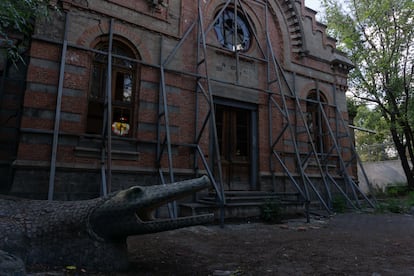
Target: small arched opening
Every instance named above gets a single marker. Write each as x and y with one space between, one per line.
316 107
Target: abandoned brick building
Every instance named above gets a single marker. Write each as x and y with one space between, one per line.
117 93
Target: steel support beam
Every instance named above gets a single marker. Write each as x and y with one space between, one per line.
280 93
58 109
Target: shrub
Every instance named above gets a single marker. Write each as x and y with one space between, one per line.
394 206
410 199
339 204
397 190
271 212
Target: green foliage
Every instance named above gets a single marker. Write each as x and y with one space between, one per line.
271 211
18 17
410 199
397 190
394 206
339 204
373 146
378 36
396 199
352 107
372 119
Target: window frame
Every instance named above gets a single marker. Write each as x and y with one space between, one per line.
221 19
97 100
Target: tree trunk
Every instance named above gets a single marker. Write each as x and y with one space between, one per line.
403 157
410 140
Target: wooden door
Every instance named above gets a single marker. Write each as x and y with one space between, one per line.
234 137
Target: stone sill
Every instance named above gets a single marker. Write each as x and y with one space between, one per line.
96 153
45 165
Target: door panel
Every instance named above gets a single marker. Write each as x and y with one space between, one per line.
234 136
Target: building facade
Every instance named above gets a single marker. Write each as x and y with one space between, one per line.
120 93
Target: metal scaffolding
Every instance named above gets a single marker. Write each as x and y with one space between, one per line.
279 92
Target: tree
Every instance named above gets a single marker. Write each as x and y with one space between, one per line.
373 139
376 145
378 36
16 21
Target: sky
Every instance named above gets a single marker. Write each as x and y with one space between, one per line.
313 4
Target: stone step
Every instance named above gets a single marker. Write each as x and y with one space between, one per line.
241 204
251 196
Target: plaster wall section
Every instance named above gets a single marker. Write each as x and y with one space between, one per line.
341 101
318 43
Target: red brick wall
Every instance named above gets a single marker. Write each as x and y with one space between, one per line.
43 71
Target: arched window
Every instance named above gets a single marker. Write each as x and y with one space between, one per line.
123 79
233 30
316 121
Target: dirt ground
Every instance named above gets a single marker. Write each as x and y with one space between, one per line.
345 244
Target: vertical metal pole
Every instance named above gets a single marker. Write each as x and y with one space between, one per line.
212 116
109 110
173 205
321 142
270 119
166 118
106 148
104 190
235 34
255 154
323 147
58 113
196 99
298 107
336 113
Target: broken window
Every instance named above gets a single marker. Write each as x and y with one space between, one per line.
232 31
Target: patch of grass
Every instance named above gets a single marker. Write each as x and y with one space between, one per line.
397 190
381 208
398 198
395 206
410 199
